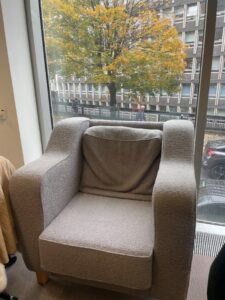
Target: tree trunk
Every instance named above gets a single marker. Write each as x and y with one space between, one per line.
112 92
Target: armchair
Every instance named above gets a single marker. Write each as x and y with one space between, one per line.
111 204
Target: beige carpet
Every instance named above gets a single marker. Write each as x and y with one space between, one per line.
22 283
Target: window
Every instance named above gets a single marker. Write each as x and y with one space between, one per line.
202 8
83 87
89 87
173 108
162 108
194 33
200 36
218 35
212 90
196 89
198 63
216 63
189 37
222 90
189 62
221 6
184 109
178 12
186 89
192 11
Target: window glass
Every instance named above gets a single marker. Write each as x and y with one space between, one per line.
198 63
87 61
221 6
178 12
83 87
202 8
184 109
189 64
173 108
192 10
162 108
200 36
196 89
189 37
89 87
186 89
218 35
216 63
222 90
212 90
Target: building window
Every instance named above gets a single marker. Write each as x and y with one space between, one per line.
186 89
210 111
152 107
173 108
198 63
89 87
222 90
184 109
202 8
83 87
189 37
212 90
192 11
189 64
162 108
218 35
200 36
196 89
179 13
216 63
221 6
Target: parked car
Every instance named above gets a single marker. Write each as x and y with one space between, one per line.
214 159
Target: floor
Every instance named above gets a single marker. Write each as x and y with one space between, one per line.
22 283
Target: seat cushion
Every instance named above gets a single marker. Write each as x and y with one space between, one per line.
120 161
101 239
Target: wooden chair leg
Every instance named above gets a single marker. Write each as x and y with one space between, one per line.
42 278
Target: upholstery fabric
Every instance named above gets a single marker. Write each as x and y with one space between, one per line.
41 194
102 239
41 189
7 232
174 203
132 124
120 160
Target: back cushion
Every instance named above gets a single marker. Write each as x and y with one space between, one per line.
120 161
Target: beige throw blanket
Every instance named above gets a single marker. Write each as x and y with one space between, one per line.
3 280
7 234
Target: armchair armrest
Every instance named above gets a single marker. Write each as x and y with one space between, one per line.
174 201
41 189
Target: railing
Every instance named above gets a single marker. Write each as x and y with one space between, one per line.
68 109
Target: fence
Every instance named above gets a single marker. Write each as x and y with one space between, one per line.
68 109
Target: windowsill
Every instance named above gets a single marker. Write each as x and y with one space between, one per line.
210 228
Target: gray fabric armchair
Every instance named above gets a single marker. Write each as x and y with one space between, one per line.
111 204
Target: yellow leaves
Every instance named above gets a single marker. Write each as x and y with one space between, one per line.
110 43
64 8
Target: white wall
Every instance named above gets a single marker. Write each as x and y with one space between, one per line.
20 92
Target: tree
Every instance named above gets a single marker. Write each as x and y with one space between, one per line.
117 43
